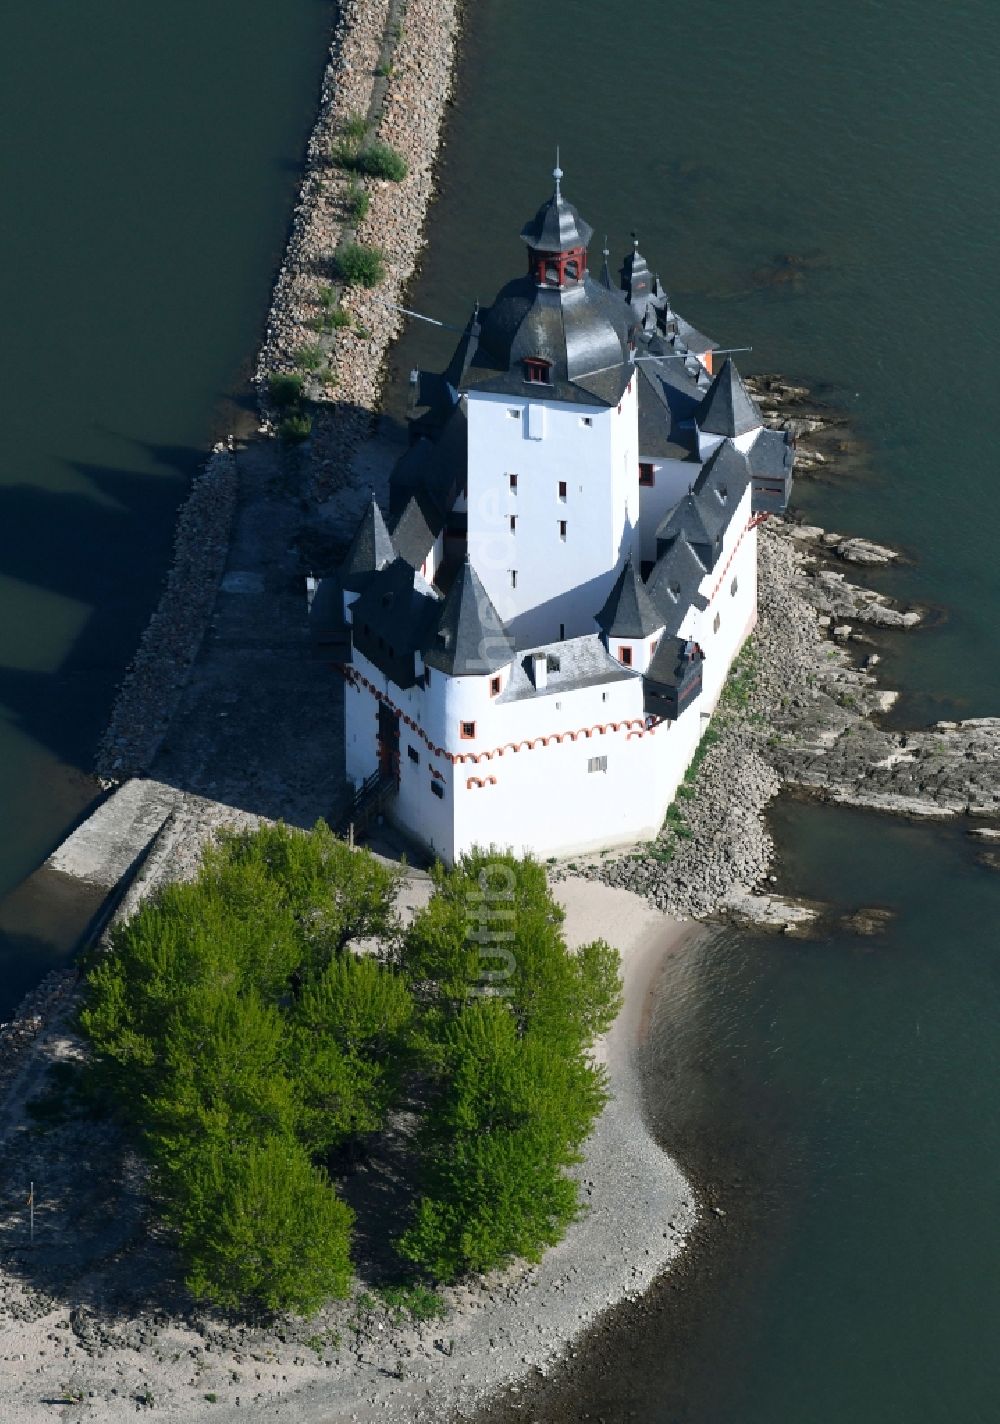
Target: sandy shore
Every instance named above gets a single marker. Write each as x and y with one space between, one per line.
68 1348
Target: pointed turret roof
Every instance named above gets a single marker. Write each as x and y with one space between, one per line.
727 408
370 549
557 226
629 612
469 638
725 474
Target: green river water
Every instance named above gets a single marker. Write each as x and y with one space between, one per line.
148 162
840 1098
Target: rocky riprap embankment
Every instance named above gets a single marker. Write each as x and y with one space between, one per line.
148 696
404 108
807 718
412 44
47 999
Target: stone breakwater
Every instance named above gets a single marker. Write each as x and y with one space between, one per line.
415 44
149 694
404 108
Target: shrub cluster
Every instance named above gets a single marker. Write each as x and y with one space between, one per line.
359 265
286 392
245 1038
375 159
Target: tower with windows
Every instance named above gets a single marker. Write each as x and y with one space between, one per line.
553 496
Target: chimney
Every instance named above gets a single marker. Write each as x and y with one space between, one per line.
539 671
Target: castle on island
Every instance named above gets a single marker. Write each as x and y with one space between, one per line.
535 637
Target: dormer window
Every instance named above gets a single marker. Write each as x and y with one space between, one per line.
536 370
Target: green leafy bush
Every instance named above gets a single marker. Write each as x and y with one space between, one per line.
355 127
377 159
310 358
358 201
381 160
359 265
296 428
284 389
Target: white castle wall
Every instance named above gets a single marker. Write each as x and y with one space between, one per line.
736 612
672 481
560 582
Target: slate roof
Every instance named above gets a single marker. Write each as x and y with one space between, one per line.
572 664
581 330
772 453
674 582
629 611
727 408
669 665
668 403
468 637
370 549
723 478
702 522
417 527
556 227
693 339
437 464
399 604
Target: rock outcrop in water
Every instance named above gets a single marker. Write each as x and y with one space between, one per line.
803 713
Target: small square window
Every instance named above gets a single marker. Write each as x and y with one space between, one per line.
438 789
468 730
494 686
562 529
513 578
625 656
513 523
604 697
587 420
513 483
411 752
513 414
562 489
718 620
646 476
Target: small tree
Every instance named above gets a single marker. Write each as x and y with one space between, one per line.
513 1091
348 1049
263 1227
512 1114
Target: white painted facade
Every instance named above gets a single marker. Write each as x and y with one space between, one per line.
560 771
576 743
553 507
